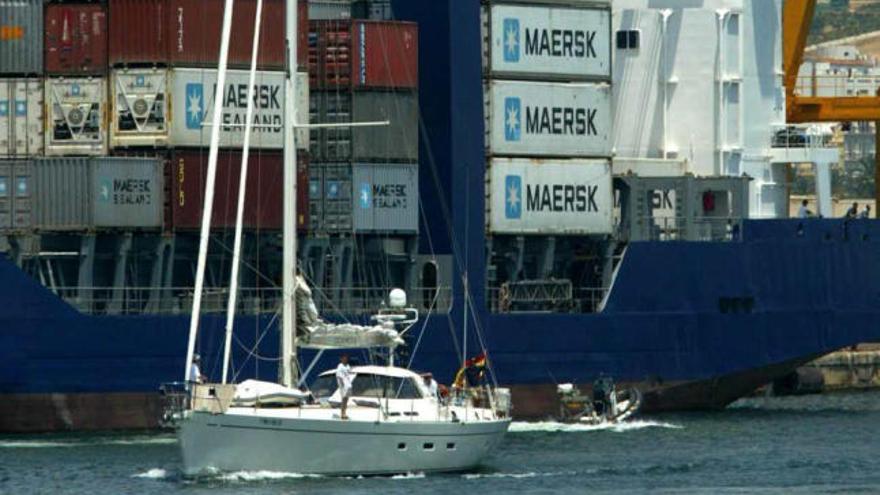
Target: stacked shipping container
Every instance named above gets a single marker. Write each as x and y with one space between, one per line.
135 78
21 92
75 92
162 94
364 179
548 118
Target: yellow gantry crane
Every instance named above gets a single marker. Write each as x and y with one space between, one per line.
797 16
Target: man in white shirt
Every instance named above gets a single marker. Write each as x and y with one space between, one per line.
344 379
431 383
195 374
804 212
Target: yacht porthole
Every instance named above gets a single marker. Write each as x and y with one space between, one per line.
428 446
401 446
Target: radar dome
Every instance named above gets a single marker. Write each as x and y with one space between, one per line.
397 298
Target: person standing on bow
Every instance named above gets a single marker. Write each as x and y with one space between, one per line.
344 379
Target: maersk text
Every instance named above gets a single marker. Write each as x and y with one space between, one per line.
561 121
561 197
560 43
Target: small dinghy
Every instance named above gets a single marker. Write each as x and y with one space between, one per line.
607 404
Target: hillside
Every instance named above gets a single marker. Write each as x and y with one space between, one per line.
832 22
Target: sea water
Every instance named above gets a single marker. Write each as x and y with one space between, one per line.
811 444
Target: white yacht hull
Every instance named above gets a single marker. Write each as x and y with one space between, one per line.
248 442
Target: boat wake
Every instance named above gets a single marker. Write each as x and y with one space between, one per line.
250 476
73 443
408 476
818 403
529 474
557 427
152 474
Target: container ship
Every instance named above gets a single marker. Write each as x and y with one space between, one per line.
606 184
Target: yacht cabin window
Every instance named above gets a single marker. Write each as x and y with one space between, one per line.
370 385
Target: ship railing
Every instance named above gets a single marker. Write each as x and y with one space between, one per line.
799 136
132 300
675 228
845 84
544 296
366 300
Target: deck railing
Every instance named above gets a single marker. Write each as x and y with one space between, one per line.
672 228
132 300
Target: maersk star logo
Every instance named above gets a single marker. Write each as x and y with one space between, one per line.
332 190
511 40
513 197
104 191
194 101
365 196
20 109
512 119
4 108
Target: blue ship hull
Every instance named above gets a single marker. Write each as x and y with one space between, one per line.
814 287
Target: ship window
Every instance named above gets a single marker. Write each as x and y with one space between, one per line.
429 284
428 446
628 39
633 37
736 304
401 446
450 446
622 42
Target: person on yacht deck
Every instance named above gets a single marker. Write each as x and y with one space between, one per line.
431 383
195 374
344 378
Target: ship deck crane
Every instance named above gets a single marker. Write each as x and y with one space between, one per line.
797 16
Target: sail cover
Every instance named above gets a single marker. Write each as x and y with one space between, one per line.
315 333
252 392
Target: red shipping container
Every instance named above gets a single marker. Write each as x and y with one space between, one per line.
302 191
186 33
185 184
75 39
302 43
363 54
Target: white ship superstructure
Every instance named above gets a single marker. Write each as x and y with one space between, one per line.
698 89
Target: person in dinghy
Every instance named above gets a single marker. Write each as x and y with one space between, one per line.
606 403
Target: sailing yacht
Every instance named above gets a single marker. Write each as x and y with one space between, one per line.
394 423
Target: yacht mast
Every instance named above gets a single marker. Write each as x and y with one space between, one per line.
207 210
288 368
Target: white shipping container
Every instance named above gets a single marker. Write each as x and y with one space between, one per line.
528 196
76 120
193 101
548 119
139 107
21 117
548 42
